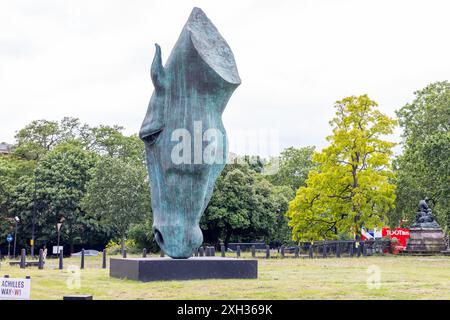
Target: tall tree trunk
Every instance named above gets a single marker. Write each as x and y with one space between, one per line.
122 242
227 237
71 238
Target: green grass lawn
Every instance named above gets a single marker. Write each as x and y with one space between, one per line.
346 278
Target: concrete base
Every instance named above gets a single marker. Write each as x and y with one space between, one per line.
425 240
157 269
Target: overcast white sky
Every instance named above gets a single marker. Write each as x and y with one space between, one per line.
91 59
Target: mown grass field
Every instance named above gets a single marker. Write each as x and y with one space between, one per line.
346 278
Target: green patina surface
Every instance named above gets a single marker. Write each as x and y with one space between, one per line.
183 131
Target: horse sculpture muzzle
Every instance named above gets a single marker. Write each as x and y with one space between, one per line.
184 137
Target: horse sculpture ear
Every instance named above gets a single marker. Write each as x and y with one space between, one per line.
157 70
154 119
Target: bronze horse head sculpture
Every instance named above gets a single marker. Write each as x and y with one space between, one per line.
185 140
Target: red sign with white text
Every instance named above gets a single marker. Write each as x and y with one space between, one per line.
400 234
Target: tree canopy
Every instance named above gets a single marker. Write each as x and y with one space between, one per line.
293 167
423 169
95 180
118 194
350 186
244 207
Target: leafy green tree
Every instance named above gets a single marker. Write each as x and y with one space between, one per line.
243 207
40 136
293 167
423 169
142 234
36 147
61 178
12 169
255 163
350 186
282 233
54 191
36 139
118 195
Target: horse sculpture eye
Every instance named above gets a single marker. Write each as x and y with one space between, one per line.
152 137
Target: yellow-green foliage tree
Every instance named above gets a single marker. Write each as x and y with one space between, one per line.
350 186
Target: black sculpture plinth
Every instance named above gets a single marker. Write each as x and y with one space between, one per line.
159 269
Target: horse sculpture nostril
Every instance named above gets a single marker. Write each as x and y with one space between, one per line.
159 238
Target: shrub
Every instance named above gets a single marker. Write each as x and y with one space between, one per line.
113 247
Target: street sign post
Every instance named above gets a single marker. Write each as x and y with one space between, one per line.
58 226
9 238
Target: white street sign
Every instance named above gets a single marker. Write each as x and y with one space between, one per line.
55 249
15 288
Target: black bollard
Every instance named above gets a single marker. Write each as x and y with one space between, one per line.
144 253
267 252
41 259
196 252
338 249
351 249
208 251
282 251
311 251
161 254
22 259
213 251
201 252
104 259
297 252
238 251
324 250
61 257
124 253
358 250
253 251
82 259
222 251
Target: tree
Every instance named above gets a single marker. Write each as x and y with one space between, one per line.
423 169
12 170
293 167
243 207
54 191
36 139
64 145
282 232
118 195
41 136
350 186
142 234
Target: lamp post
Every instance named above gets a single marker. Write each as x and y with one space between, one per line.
58 227
33 226
17 220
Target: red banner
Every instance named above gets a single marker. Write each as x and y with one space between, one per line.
399 238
